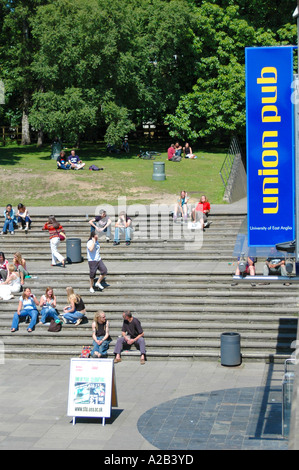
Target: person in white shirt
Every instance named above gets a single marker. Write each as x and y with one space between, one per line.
12 284
95 262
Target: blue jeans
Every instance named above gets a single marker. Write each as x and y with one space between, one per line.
102 348
64 167
72 317
48 312
8 224
32 312
106 230
25 221
120 230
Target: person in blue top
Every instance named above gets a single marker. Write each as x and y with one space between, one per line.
10 220
181 207
27 307
75 162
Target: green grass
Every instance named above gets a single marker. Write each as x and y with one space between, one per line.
29 175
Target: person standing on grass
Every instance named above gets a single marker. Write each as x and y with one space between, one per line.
95 262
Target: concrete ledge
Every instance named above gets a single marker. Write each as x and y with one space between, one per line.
266 278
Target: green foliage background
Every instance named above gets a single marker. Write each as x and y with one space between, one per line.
71 66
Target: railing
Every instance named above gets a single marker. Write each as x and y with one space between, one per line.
233 151
287 394
10 134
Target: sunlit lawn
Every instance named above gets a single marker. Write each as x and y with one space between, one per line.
29 175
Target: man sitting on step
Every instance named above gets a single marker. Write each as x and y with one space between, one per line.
275 266
132 333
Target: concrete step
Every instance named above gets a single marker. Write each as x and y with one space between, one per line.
183 313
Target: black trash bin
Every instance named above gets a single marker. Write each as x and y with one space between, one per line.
230 349
73 250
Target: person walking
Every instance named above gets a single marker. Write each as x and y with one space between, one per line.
95 262
56 233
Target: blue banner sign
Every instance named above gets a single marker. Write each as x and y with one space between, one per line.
270 145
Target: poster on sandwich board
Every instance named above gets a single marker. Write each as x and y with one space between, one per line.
92 388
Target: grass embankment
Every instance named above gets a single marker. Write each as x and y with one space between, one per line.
29 175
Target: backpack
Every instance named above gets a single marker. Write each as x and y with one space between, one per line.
54 327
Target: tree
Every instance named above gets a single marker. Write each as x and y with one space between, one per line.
16 53
215 108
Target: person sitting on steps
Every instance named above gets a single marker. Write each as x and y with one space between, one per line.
100 335
24 219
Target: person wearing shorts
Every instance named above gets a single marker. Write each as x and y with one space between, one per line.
75 162
95 262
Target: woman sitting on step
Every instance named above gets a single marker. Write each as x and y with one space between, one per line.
27 307
23 217
48 304
75 311
11 285
20 265
100 335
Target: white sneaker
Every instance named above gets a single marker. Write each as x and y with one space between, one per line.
99 285
91 290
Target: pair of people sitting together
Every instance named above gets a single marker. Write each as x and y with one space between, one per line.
72 162
198 214
273 265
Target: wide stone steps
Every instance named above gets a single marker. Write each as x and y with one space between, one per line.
150 241
183 310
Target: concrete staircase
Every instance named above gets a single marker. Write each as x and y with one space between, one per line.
183 296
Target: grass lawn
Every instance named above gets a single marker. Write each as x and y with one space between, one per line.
29 175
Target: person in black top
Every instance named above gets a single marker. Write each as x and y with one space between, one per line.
75 311
62 163
132 333
100 335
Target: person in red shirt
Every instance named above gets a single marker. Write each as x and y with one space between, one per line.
54 229
171 152
201 211
3 267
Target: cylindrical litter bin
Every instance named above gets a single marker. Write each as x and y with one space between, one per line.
230 349
73 250
159 171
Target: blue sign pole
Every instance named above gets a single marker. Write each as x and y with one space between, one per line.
270 145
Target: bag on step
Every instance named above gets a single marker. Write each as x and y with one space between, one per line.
85 351
55 326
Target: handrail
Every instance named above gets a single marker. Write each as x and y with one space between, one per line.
233 150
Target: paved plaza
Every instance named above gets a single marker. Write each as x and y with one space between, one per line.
162 405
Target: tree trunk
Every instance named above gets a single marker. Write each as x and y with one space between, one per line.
40 138
25 122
